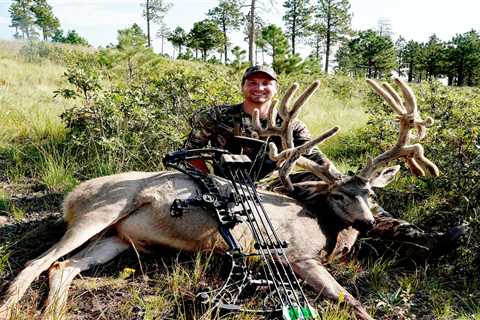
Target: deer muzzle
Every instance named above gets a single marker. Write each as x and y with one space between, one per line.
363 225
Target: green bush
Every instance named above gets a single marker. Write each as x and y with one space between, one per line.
130 125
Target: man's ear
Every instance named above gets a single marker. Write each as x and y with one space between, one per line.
384 177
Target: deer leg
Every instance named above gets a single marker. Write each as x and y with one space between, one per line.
322 281
81 230
61 274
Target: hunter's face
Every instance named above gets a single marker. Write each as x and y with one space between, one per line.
259 88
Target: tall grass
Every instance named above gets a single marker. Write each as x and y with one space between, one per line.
28 109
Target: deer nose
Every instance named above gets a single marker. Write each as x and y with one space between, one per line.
363 225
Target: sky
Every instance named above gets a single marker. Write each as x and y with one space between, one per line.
99 20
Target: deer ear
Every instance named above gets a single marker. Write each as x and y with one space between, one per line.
313 186
384 177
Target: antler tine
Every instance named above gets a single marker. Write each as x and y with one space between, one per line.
272 114
291 156
408 95
285 130
303 98
286 100
408 119
398 108
393 93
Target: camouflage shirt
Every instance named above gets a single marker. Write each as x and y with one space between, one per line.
220 124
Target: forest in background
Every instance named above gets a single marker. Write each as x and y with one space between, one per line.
323 25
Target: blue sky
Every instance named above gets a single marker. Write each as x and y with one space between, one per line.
99 20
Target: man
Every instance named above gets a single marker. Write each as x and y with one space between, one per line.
223 126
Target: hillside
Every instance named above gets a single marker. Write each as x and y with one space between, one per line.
115 111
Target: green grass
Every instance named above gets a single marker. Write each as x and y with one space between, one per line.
29 111
56 171
4 201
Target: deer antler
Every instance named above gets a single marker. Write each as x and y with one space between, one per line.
408 118
291 155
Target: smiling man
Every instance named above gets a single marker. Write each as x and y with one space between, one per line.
224 126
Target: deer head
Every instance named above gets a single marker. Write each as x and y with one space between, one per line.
349 197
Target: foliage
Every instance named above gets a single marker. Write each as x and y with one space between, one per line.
178 38
205 36
458 60
23 19
132 126
464 58
277 45
297 17
227 16
368 54
28 15
72 37
239 55
333 18
45 19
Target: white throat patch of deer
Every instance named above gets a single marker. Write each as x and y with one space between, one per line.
136 205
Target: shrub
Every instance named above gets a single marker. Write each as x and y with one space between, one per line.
131 125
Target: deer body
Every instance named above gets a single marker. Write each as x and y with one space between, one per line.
137 206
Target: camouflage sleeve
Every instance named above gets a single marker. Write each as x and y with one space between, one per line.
203 123
302 135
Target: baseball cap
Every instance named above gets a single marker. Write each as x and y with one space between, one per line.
259 69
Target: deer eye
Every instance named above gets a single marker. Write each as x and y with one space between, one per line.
337 197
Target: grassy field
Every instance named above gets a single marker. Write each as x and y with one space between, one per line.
35 175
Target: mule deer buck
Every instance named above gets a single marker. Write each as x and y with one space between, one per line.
136 205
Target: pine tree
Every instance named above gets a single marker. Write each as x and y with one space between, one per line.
239 55
163 33
45 19
298 16
154 11
369 53
228 17
277 43
23 19
335 18
411 55
178 38
205 36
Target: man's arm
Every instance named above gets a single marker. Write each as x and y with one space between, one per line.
203 127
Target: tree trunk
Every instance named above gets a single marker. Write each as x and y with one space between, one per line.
410 71
461 75
294 27
224 27
328 40
450 80
148 23
251 35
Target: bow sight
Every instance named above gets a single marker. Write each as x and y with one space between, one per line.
276 284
